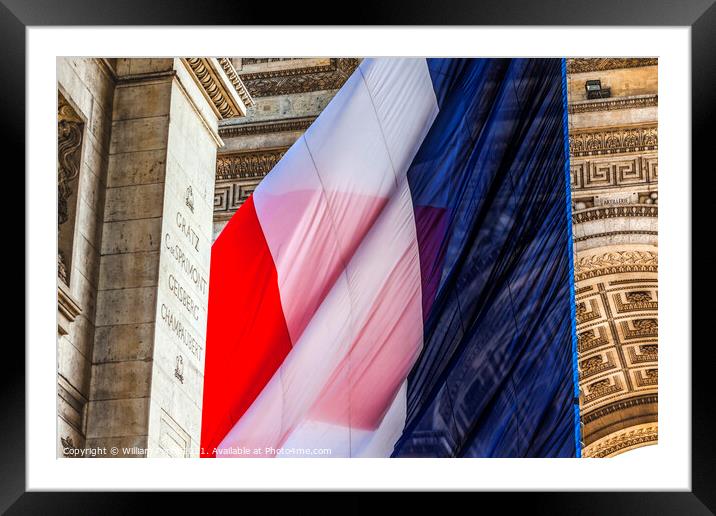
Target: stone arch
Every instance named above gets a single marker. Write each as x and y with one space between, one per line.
616 294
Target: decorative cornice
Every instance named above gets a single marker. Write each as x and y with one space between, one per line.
623 440
266 127
230 71
244 165
216 86
259 60
613 104
615 262
300 80
619 406
592 64
614 233
610 212
289 72
613 140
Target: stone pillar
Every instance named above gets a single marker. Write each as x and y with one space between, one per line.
148 362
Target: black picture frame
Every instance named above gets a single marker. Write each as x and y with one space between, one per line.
700 15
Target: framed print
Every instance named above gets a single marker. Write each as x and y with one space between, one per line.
363 258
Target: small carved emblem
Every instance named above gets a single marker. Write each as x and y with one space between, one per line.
649 349
645 324
591 364
190 199
599 387
638 297
179 370
581 309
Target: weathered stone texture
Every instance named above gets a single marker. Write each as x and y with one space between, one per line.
121 417
131 236
88 86
123 342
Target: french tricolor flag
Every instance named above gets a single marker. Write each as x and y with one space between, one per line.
400 284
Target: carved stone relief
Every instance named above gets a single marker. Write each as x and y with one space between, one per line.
69 144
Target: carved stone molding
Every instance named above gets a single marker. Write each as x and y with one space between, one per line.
610 212
260 60
613 258
266 127
615 262
614 233
640 101
627 439
300 80
614 140
596 64
223 93
619 406
238 174
67 308
230 195
292 71
252 164
230 71
614 172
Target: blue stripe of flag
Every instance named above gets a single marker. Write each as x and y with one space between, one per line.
496 375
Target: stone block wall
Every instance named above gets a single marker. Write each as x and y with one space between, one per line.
129 266
88 87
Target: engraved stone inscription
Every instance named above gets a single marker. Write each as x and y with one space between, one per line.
180 331
184 226
185 263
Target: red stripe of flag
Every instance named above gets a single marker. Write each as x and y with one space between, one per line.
247 337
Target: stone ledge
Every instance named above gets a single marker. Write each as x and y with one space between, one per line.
68 308
613 103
